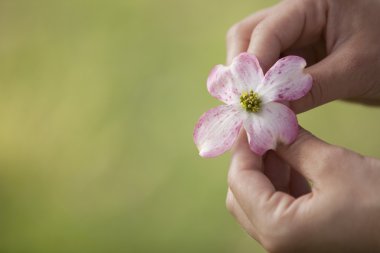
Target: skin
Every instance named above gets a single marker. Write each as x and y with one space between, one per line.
269 196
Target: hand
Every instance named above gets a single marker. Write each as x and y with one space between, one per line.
338 38
341 213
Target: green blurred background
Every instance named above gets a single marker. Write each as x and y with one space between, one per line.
98 101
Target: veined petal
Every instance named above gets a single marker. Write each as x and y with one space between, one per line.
286 80
217 129
227 83
221 85
275 123
247 70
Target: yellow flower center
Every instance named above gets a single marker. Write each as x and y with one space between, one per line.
250 101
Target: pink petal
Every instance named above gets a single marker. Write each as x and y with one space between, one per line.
286 80
217 129
275 123
226 83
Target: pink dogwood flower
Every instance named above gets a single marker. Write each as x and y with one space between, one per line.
252 101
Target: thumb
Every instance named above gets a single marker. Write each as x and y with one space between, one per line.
308 155
335 77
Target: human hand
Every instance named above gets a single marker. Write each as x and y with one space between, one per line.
341 213
338 38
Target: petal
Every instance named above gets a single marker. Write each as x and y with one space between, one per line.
226 83
247 71
275 123
286 80
221 85
217 129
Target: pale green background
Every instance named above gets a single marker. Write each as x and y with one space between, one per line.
98 101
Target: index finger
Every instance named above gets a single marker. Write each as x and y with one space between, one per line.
238 36
292 23
251 188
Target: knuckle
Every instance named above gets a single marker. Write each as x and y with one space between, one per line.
231 178
275 244
317 93
332 154
303 5
299 2
373 162
332 160
276 232
304 135
260 28
283 238
229 204
352 62
303 138
234 32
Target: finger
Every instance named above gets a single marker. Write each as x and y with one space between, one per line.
277 171
312 53
298 185
241 217
296 23
335 77
238 35
242 154
308 155
252 189
283 177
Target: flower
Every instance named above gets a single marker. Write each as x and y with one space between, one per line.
252 101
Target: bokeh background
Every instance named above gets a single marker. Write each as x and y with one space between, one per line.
98 100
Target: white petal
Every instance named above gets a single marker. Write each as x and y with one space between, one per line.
275 123
227 83
286 80
217 130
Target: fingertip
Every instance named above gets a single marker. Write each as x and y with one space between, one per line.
305 154
242 151
313 98
264 44
238 36
266 59
241 143
302 136
300 105
277 33
231 54
237 41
